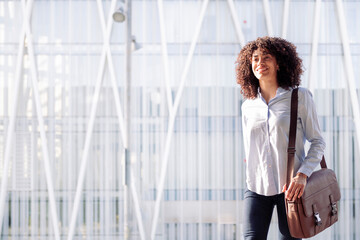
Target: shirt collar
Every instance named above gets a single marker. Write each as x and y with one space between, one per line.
280 91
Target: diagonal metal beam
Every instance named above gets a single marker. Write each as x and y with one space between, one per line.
314 47
85 155
118 106
106 55
114 87
350 80
165 53
137 206
12 118
285 18
106 29
45 151
235 19
90 127
173 113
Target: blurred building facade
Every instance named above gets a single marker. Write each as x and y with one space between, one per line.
62 91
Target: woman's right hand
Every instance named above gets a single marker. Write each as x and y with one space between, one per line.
297 187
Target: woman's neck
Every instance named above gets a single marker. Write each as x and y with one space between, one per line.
268 90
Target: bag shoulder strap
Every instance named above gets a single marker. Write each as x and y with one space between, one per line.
292 137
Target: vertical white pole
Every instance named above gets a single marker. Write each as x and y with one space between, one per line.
127 166
268 17
285 18
314 48
165 54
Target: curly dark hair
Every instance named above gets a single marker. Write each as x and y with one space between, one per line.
290 65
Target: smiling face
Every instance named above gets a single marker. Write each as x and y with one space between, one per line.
264 65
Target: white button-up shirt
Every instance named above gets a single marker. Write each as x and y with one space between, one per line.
266 138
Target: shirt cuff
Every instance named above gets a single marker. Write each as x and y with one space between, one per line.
305 171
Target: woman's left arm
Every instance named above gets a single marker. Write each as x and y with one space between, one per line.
312 132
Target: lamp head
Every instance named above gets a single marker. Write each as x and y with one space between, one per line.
119 15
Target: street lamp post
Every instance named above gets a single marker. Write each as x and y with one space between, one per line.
122 15
127 167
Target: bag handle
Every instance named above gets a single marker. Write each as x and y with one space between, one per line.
292 137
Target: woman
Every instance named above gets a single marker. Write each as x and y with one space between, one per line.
267 70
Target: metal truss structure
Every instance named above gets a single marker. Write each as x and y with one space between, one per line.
106 61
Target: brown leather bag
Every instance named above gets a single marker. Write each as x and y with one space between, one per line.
317 208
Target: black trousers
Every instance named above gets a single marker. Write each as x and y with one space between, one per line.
258 211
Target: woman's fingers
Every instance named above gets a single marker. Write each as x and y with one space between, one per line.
296 188
290 192
301 192
295 191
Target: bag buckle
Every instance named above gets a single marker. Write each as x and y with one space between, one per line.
317 219
334 209
291 150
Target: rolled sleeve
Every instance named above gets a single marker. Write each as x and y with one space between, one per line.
312 132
